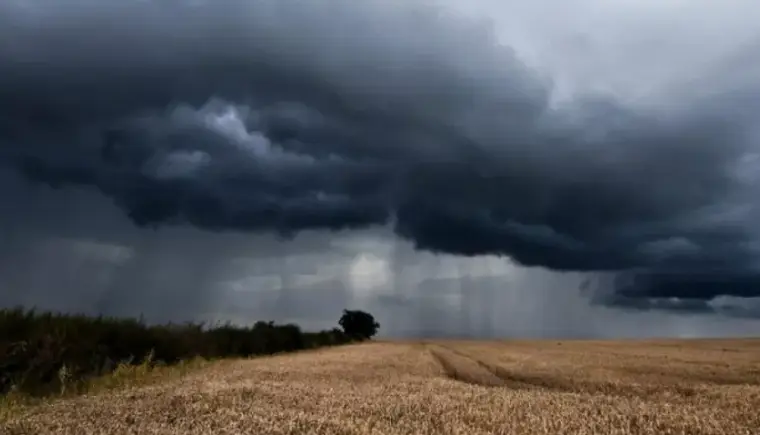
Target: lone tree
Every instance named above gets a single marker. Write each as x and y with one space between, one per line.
358 324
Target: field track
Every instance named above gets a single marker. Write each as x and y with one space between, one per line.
440 387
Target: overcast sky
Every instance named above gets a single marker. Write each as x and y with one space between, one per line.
575 168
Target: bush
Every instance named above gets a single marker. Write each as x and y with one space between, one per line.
40 352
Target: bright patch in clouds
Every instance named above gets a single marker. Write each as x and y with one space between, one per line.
368 271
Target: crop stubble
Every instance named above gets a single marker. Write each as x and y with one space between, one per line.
541 387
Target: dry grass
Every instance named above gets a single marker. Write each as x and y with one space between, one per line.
676 387
124 376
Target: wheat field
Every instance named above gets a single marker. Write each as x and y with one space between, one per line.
438 387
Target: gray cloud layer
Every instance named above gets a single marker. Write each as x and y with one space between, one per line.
287 116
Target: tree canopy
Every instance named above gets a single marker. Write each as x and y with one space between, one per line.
358 324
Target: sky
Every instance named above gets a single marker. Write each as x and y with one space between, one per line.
568 169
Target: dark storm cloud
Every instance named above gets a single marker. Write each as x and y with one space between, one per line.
73 250
288 116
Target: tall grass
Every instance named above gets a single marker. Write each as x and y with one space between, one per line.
44 352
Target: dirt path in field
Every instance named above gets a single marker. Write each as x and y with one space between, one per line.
391 388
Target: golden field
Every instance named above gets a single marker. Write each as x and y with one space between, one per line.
437 387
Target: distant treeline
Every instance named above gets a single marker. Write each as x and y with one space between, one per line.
37 347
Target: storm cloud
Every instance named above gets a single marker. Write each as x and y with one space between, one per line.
281 117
